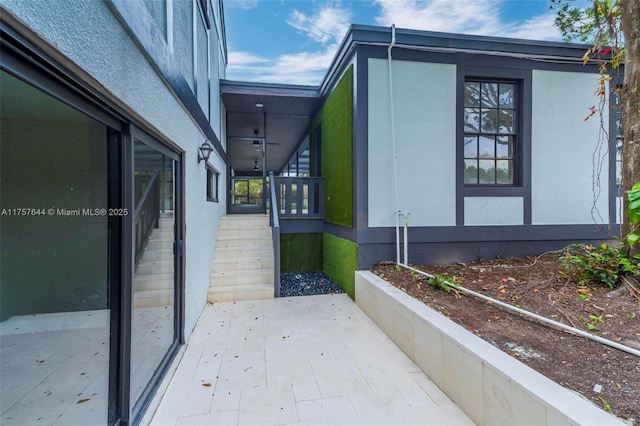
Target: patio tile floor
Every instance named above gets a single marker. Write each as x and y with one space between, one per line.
298 361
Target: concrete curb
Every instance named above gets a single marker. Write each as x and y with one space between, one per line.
490 386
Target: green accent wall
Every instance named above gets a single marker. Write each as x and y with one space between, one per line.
301 252
335 121
340 261
331 136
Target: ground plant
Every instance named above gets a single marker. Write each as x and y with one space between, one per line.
633 213
603 264
610 378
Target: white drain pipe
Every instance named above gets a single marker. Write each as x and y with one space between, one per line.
540 318
393 143
406 237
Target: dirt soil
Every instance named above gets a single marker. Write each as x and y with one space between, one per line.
607 376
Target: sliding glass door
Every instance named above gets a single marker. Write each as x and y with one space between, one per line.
91 256
57 243
156 260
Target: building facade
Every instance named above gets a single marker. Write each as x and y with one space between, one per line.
109 216
480 142
123 144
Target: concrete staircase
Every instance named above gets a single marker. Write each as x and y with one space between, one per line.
153 280
243 260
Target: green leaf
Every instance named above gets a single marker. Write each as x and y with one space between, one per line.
633 195
633 238
635 204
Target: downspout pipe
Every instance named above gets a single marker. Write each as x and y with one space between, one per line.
396 212
540 318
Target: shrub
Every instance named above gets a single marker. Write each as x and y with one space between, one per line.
600 264
442 282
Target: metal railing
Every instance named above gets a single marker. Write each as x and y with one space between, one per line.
300 197
275 234
147 212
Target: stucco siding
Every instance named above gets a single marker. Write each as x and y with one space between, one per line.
216 65
493 211
183 40
89 34
563 145
425 112
202 64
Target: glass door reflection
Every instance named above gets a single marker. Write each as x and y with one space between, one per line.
154 312
55 291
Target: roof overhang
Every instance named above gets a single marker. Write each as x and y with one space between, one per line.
277 114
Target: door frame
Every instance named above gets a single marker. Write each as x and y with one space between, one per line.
137 411
247 208
24 57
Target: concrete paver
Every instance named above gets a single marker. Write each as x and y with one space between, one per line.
313 360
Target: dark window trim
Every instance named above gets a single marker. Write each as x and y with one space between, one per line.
203 6
481 133
522 154
213 186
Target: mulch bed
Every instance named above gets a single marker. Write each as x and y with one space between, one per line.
607 376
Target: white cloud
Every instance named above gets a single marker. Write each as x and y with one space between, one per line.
297 68
463 16
539 27
245 58
459 16
241 4
328 24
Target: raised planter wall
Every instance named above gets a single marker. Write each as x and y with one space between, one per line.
491 387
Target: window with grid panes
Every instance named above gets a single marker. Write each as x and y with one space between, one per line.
490 134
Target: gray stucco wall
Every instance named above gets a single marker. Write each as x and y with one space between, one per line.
563 146
425 113
183 40
89 34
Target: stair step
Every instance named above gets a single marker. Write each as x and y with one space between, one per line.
248 219
221 279
159 243
243 264
155 267
152 298
166 223
162 233
234 242
153 281
241 232
235 293
243 252
157 255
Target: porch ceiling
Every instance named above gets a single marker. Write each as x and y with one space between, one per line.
287 111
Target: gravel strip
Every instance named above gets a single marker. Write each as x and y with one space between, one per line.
307 284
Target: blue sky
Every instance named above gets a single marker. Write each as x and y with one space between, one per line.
293 41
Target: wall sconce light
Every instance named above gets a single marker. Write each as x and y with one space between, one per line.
255 166
204 152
